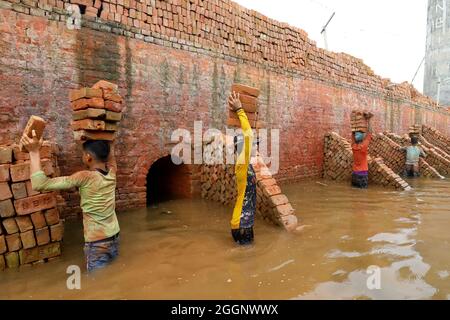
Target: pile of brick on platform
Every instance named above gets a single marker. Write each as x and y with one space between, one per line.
96 111
249 100
218 184
30 227
384 147
415 130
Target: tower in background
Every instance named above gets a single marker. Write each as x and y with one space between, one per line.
437 62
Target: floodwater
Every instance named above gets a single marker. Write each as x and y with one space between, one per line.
183 250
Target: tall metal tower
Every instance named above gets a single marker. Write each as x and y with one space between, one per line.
437 62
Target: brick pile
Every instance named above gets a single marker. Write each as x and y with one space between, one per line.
96 111
30 227
427 171
381 174
338 158
383 147
249 100
437 138
218 183
415 130
358 121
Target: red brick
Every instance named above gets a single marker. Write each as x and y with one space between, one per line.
24 223
12 259
35 203
278 200
113 116
4 173
3 247
2 262
89 113
45 152
51 216
28 240
30 191
5 154
19 190
10 226
272 191
13 242
89 124
5 191
38 219
40 253
88 103
243 89
285 209
6 209
107 86
85 93
113 106
42 236
83 135
36 124
21 172
57 232
267 183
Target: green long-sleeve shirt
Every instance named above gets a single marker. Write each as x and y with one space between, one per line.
97 192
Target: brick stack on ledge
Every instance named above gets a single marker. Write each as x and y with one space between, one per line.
218 183
437 138
30 227
96 112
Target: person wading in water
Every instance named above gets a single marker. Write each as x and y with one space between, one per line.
244 211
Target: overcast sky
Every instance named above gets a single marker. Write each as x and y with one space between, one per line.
389 35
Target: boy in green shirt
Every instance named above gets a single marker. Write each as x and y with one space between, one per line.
97 187
413 154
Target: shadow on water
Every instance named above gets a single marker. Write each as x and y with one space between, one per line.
189 253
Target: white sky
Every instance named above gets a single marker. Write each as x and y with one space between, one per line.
389 35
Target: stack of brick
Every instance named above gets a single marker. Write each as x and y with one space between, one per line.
383 147
249 101
427 145
96 112
381 174
30 227
437 138
427 171
358 121
415 130
218 184
338 158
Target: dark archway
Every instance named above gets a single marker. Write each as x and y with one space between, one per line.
167 181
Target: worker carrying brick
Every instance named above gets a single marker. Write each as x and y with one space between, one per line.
360 148
413 154
97 187
244 210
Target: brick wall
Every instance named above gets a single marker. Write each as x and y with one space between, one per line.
174 62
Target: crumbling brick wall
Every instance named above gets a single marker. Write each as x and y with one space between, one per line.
174 62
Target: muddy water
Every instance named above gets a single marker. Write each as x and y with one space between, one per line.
187 253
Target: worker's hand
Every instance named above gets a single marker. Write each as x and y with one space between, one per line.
31 144
234 102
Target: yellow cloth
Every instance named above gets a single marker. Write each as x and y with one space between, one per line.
241 167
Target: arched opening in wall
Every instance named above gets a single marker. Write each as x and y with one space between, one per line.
167 181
